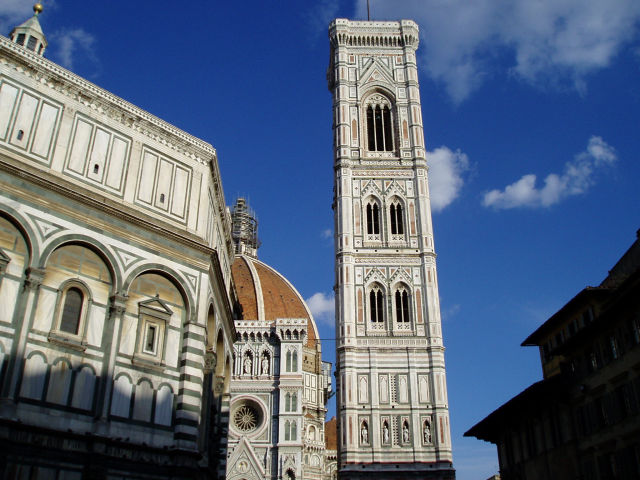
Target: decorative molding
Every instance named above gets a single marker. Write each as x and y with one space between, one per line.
103 102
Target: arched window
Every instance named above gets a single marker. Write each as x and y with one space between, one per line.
402 305
294 402
287 402
376 309
71 311
379 124
294 362
395 213
288 363
373 218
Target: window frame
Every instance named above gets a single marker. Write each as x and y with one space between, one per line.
396 216
379 124
153 313
372 219
77 340
377 292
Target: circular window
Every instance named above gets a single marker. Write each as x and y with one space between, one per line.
247 416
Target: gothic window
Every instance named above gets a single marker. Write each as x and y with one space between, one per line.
401 298
291 361
247 416
395 220
376 305
379 124
373 218
290 430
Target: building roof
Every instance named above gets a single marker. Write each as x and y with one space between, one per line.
266 295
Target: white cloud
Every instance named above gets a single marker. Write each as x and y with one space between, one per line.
448 313
576 179
543 41
322 307
13 13
73 43
319 15
327 233
446 170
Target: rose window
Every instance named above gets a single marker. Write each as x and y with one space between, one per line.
247 416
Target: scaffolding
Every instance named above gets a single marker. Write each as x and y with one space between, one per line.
244 228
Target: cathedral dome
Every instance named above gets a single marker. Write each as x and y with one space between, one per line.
266 295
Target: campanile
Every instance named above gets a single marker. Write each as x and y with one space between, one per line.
392 407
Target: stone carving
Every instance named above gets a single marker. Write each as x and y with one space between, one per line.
385 433
265 365
426 432
247 364
364 434
405 432
210 361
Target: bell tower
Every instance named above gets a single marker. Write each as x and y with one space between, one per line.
393 417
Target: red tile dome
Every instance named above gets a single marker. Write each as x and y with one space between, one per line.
265 294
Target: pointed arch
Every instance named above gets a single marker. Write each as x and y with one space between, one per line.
375 302
372 210
379 121
402 303
397 212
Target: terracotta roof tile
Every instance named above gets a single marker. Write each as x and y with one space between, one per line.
245 288
331 434
279 298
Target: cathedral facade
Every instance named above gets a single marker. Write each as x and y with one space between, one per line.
279 384
393 419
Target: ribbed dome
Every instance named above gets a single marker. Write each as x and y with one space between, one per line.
266 295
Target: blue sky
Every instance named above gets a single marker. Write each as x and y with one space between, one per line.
532 119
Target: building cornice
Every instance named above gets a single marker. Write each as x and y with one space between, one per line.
104 204
90 95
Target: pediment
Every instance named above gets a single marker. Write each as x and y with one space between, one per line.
393 187
374 275
372 187
243 463
401 274
377 72
157 305
4 258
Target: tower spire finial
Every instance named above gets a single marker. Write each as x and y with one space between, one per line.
29 34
